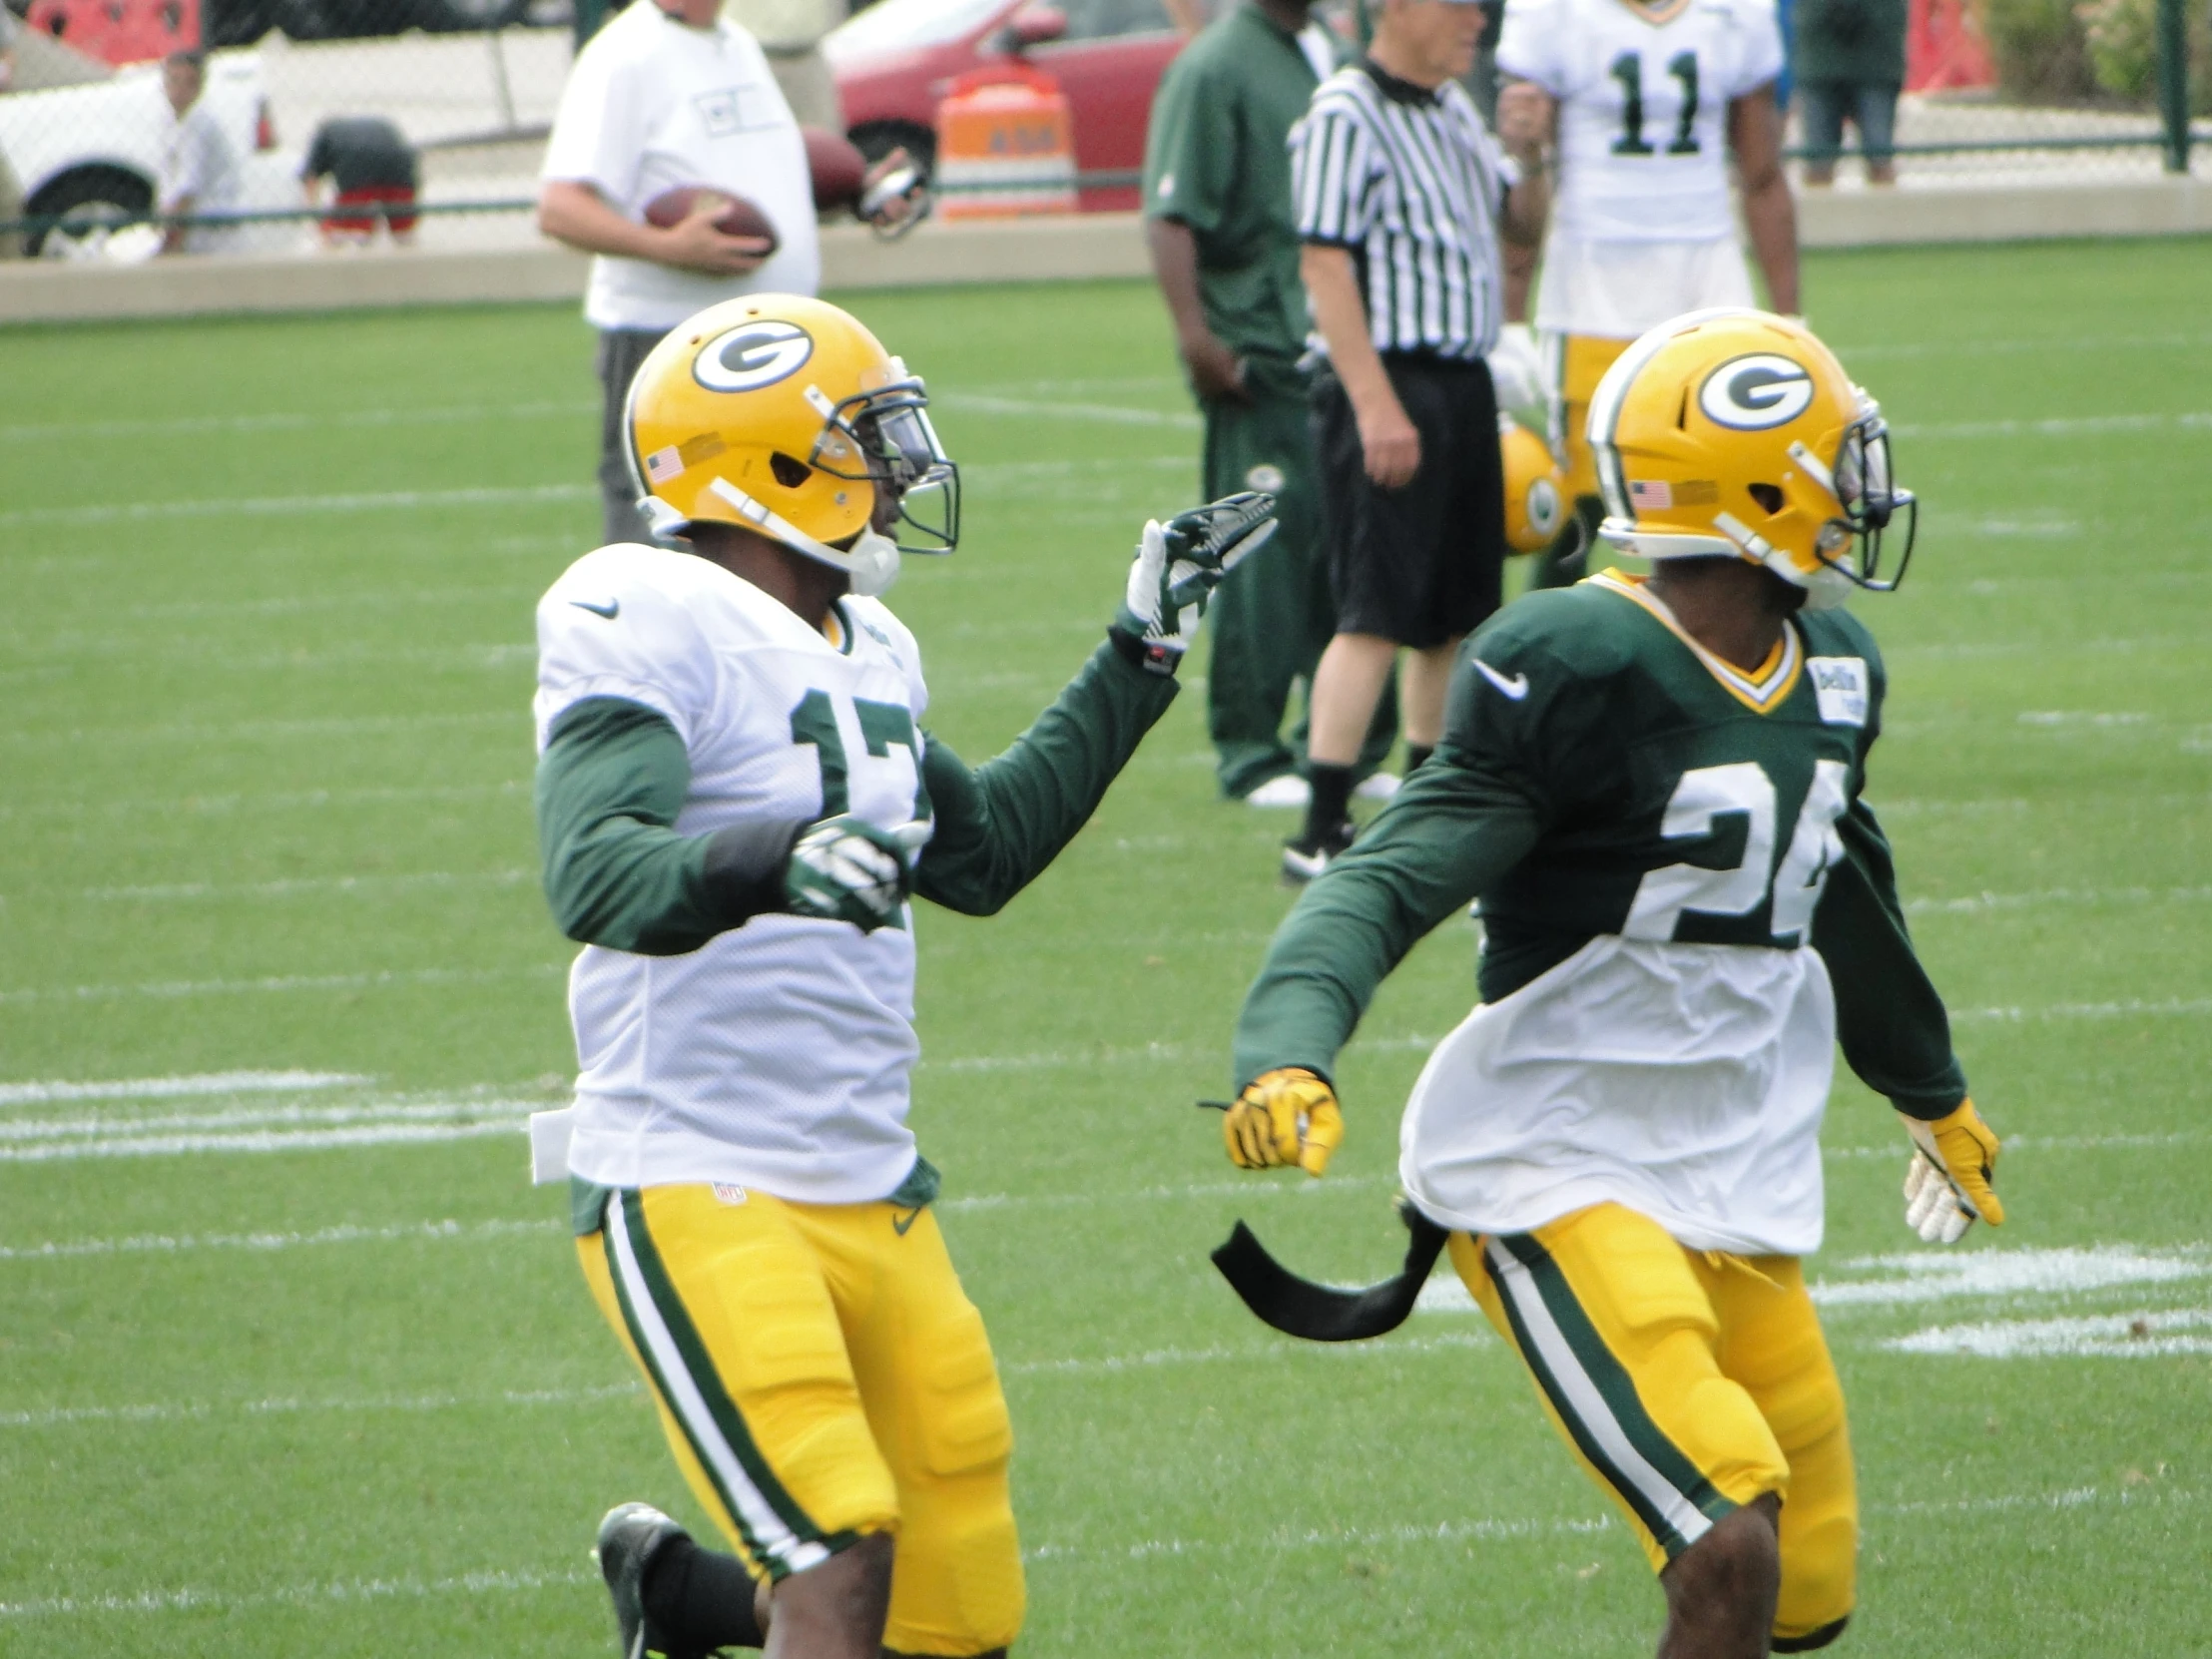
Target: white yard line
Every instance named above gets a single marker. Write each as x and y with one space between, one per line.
329 725
1929 1276
2061 426
277 800
1114 414
1283 1540
65 1416
283 983
177 1088
2147 1334
293 507
2041 346
158 1243
306 886
306 1140
295 421
1985 902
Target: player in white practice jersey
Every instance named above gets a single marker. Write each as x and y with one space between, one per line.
1650 102
734 799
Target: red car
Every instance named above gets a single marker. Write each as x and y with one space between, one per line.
895 60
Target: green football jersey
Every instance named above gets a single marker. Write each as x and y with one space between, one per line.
1602 774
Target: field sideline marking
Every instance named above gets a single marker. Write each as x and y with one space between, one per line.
284 982
161 1243
136 807
188 1599
2145 1333
296 885
174 1088
65 1416
297 420
2054 426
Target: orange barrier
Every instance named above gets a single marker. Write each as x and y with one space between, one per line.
120 31
1006 145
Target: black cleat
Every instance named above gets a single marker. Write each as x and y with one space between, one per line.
629 1537
1309 855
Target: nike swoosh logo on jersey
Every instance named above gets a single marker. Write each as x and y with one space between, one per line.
610 610
900 1224
1517 687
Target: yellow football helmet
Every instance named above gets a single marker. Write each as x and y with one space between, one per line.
1535 488
786 416
1736 433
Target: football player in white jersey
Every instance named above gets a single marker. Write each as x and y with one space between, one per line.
1649 103
734 799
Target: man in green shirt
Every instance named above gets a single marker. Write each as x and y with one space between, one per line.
1224 244
1654 789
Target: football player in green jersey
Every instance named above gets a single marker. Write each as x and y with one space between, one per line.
1653 786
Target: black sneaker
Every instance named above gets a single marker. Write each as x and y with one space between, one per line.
629 1537
1309 855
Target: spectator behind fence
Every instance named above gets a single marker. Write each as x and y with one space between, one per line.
1848 65
790 34
370 165
200 174
1401 193
670 93
1224 245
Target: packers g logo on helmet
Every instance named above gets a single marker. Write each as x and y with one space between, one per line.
754 355
785 416
1535 488
1735 433
1755 392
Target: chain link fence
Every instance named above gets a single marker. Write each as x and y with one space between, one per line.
2018 92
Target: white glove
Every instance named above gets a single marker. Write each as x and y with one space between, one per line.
1949 1185
1178 566
846 868
1524 380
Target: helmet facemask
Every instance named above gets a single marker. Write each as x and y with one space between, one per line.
1868 503
882 436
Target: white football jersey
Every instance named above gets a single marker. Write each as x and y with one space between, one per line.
777 1055
1643 100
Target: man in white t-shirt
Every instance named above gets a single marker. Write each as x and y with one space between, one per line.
200 165
1650 104
670 93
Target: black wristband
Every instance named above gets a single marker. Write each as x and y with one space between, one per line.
1153 659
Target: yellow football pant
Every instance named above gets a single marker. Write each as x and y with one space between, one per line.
1578 363
1687 1383
822 1376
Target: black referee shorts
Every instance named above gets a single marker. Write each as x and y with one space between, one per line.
1419 565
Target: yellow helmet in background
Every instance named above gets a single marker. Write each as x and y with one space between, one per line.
1535 488
786 416
1736 433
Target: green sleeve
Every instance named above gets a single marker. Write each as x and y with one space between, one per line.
1457 827
1190 159
1888 1017
609 785
999 825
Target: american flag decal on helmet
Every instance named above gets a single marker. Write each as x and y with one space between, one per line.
1652 493
663 464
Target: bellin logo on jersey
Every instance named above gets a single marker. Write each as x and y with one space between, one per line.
1755 392
1839 685
752 355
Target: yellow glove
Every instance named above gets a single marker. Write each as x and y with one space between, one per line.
1287 1116
1948 1189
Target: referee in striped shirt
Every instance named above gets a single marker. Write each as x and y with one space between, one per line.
1401 196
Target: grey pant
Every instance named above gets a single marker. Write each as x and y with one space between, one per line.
620 353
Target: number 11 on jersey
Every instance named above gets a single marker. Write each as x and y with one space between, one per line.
1628 69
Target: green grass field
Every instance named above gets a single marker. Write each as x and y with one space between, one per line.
293 1363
